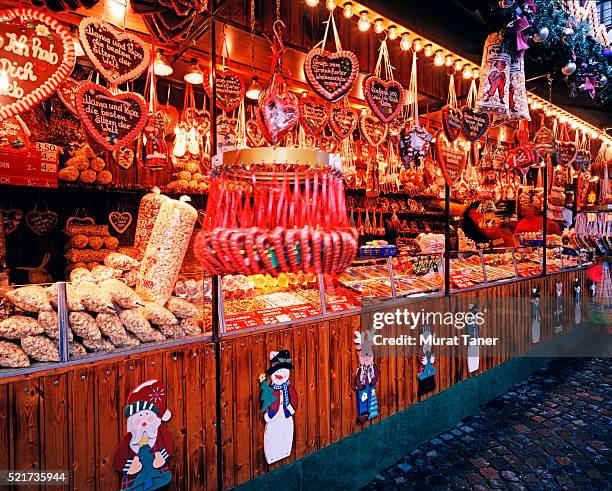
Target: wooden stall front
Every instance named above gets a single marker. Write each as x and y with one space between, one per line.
72 417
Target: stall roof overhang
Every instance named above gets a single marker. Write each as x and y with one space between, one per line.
453 24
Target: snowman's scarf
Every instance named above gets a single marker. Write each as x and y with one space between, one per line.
285 388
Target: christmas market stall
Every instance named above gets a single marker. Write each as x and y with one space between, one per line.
213 213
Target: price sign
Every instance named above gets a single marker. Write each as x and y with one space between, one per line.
35 166
241 321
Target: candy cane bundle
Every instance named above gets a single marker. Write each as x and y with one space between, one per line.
276 222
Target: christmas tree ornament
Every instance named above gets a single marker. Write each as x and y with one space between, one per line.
568 31
568 68
541 35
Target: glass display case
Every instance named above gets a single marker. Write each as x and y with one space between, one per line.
264 300
466 270
369 280
418 274
499 265
528 261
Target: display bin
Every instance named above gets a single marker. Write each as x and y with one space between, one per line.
30 327
528 261
418 274
466 270
500 265
369 281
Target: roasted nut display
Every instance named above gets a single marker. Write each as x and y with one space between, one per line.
78 275
76 349
31 298
171 330
122 295
190 326
89 230
159 315
94 298
98 345
111 242
181 308
165 251
110 325
40 348
135 321
86 255
18 326
12 356
84 325
50 323
121 261
101 273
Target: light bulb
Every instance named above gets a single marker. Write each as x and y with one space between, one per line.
161 67
392 33
573 125
448 61
593 134
378 26
312 3
364 22
348 10
330 4
439 59
428 50
418 45
194 75
4 81
254 90
405 43
475 74
458 65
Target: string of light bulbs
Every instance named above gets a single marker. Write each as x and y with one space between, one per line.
444 57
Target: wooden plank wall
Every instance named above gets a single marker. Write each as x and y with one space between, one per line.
72 418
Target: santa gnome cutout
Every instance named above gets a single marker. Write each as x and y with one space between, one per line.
142 456
278 404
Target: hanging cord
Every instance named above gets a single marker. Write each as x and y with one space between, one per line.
323 42
252 13
451 100
383 57
472 95
413 104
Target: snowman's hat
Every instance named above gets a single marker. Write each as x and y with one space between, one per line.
279 359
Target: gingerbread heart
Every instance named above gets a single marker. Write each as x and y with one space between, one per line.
342 121
74 220
331 75
170 117
452 157
14 135
120 220
277 113
34 75
522 158
254 134
111 120
124 157
544 141
11 219
566 153
67 93
385 97
474 124
230 89
582 161
41 222
118 56
451 122
313 115
373 130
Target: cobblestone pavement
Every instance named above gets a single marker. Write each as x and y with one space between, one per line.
550 431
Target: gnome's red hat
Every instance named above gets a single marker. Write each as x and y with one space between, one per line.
150 395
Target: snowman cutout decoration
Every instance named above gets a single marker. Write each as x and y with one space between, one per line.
577 302
366 378
142 456
536 315
558 307
473 351
279 402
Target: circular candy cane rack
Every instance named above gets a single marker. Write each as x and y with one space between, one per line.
276 210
